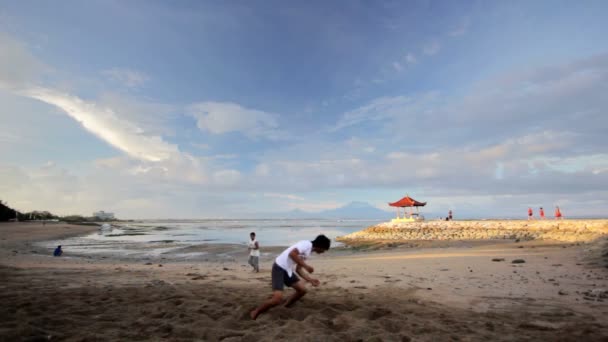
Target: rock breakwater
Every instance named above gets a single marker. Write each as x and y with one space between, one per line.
563 230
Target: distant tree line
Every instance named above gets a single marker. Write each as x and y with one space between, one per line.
7 213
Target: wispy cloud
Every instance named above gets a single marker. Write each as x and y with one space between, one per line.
431 48
462 28
284 196
107 124
410 58
385 108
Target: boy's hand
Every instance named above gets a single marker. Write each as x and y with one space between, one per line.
315 282
309 268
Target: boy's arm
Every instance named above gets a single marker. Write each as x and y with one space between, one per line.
256 246
295 256
313 281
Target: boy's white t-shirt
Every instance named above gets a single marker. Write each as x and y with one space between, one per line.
253 252
285 262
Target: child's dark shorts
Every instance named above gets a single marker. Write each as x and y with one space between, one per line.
281 278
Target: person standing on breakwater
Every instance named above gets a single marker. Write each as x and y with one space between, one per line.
254 253
558 213
292 261
530 214
450 214
541 213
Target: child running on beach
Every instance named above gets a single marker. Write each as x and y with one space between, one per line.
292 261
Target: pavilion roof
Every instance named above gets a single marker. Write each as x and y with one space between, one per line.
407 201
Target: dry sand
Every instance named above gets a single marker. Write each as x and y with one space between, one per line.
436 292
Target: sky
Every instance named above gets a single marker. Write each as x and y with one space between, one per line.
230 109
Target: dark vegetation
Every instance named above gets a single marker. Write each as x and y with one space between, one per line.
9 214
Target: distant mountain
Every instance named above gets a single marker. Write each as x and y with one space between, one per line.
356 210
353 210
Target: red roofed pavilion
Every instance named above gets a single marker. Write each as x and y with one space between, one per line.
407 201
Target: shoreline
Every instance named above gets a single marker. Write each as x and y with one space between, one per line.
434 291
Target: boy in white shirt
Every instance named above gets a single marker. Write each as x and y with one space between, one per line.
254 253
284 270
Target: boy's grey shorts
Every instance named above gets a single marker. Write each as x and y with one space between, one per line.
281 278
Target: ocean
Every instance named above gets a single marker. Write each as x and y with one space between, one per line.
153 238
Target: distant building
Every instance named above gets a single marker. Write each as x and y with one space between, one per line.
102 215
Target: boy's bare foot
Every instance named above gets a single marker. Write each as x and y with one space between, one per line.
253 314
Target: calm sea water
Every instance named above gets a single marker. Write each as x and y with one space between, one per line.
155 237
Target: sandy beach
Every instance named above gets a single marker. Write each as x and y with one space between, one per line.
425 291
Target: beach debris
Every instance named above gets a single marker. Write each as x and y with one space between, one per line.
562 293
518 261
160 265
498 259
226 269
148 263
557 265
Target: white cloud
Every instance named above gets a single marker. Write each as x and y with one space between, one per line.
226 117
397 66
41 188
448 170
106 124
226 178
127 77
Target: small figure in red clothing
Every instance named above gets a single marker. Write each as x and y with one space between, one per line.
530 213
558 213
542 213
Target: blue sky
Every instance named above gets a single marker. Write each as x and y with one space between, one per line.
201 109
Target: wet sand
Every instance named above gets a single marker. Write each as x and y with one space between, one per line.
433 292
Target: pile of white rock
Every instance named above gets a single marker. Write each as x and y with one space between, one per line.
556 230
